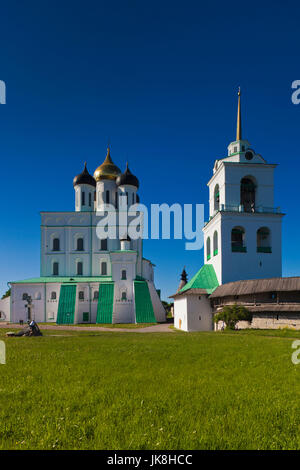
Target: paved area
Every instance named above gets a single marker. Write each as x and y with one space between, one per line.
160 328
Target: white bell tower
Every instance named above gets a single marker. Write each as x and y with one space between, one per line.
242 238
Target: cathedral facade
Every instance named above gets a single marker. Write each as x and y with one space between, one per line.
84 278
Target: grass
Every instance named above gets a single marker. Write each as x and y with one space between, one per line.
96 390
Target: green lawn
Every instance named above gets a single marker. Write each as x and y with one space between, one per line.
130 326
93 390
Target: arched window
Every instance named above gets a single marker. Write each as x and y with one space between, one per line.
238 239
123 275
79 268
96 295
132 198
124 296
83 198
79 244
103 244
24 296
103 268
263 236
81 295
90 199
208 248
107 197
53 295
215 241
248 194
216 198
55 268
55 246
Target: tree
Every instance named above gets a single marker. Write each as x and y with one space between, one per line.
232 314
7 294
167 307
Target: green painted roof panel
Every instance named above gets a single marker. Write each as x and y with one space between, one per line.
205 278
143 304
105 303
66 305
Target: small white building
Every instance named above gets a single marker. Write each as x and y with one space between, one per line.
85 279
192 309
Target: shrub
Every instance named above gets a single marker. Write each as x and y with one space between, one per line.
232 314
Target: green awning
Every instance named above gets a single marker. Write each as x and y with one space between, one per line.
66 305
143 304
105 303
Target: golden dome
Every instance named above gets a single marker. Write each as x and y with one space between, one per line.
108 170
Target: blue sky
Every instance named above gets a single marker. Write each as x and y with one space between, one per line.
159 80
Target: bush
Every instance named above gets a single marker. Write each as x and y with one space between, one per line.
232 314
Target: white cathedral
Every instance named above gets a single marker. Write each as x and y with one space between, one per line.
242 248
85 279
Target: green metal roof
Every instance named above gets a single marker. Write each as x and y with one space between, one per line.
40 280
204 279
143 304
105 303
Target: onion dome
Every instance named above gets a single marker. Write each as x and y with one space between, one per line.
125 238
84 178
127 178
108 170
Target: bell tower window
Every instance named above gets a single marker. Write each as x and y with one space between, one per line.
208 248
263 240
248 194
216 198
215 240
238 239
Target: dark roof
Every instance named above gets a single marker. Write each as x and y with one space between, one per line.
252 286
266 307
84 178
125 239
127 178
204 282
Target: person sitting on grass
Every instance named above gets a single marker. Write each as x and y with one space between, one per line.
31 329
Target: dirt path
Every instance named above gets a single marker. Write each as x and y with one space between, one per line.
160 328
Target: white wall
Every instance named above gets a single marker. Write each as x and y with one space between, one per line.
5 309
87 190
180 313
158 308
199 313
234 266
